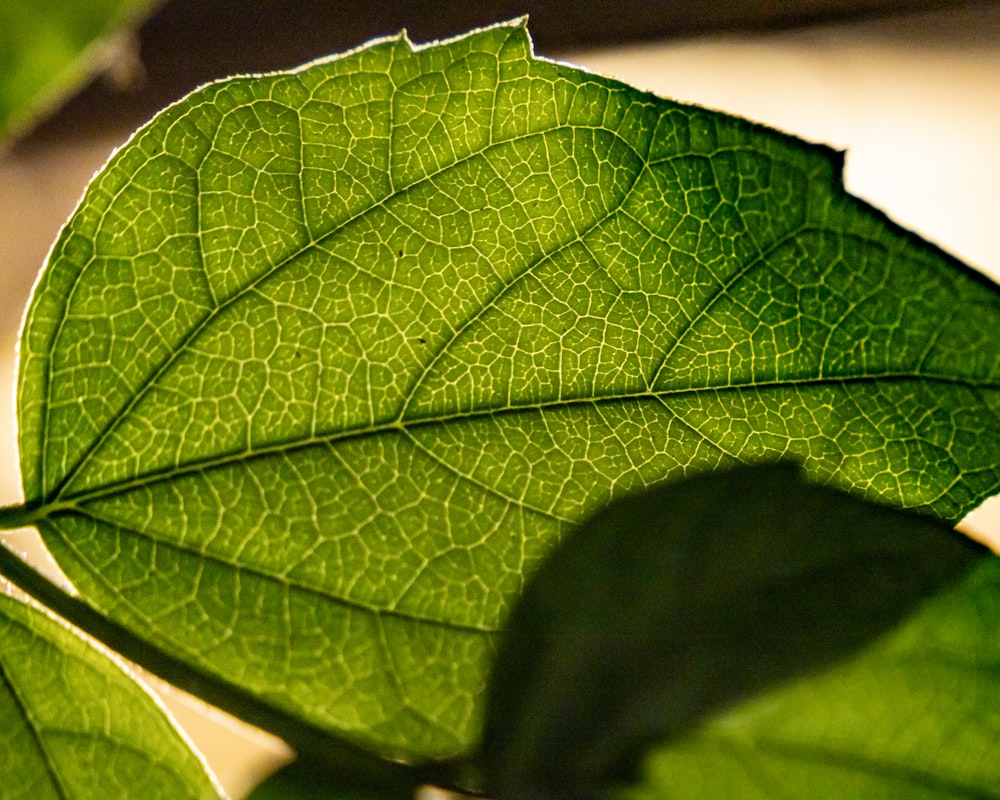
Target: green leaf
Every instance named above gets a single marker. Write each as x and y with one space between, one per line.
327 360
313 780
76 725
48 51
914 718
674 605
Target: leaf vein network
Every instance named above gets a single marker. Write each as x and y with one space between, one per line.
281 449
504 289
206 320
29 719
205 555
492 490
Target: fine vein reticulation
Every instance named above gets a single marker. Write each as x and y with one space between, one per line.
82 721
326 360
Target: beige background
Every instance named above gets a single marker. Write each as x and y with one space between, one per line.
915 101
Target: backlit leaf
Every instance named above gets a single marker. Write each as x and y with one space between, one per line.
327 360
74 724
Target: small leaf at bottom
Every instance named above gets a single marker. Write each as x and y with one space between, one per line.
74 725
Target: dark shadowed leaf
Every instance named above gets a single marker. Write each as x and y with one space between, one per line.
669 608
914 718
309 780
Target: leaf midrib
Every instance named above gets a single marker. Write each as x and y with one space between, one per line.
78 505
71 503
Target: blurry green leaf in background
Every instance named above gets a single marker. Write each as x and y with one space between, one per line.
684 616
46 52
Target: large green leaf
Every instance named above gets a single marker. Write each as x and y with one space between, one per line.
46 50
76 725
327 360
914 718
660 614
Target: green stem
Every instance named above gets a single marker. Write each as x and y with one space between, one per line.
20 516
345 765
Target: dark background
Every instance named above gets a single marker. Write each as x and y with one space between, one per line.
188 42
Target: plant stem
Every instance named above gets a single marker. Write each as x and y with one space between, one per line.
348 766
19 516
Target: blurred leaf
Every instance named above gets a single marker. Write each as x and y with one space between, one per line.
914 718
672 606
309 780
75 725
327 360
49 49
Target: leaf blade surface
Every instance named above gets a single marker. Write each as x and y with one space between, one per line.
76 725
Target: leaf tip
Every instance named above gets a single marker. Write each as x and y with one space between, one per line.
518 27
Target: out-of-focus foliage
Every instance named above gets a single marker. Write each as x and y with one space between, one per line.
47 50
